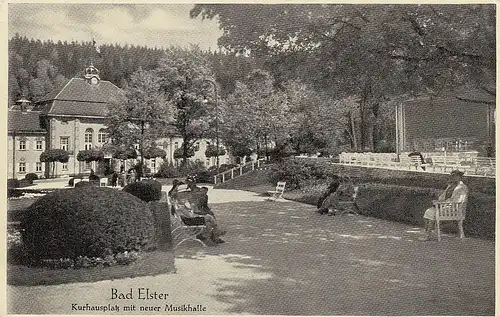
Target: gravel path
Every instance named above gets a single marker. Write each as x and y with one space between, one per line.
282 258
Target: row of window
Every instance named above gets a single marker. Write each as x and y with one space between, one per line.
102 137
23 145
38 167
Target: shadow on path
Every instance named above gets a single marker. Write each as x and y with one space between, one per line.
344 265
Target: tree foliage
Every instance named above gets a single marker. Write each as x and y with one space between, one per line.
123 153
255 114
372 52
90 155
212 151
54 155
36 67
141 118
180 154
184 73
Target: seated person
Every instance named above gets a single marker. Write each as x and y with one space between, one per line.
455 192
182 206
345 192
323 204
416 153
172 193
200 206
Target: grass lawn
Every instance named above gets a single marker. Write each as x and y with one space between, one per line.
20 204
149 264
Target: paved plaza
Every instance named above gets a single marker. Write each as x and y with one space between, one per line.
283 258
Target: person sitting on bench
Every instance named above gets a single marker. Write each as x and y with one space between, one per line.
456 191
324 204
418 155
183 206
201 203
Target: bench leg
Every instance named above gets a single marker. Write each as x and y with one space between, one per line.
461 229
438 230
190 239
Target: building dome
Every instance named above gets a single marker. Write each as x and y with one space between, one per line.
92 75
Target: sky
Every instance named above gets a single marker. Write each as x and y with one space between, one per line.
151 25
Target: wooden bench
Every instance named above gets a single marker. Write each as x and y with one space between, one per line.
450 211
446 163
412 162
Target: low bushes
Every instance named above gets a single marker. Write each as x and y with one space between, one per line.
83 184
407 204
13 183
146 190
299 172
207 176
31 177
168 170
85 222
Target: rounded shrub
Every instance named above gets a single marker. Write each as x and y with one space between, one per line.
31 177
146 190
82 184
87 221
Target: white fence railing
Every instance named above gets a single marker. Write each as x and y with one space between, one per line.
467 162
238 171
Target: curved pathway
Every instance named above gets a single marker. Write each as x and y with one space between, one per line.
282 258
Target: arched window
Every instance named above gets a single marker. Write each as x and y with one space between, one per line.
102 136
88 138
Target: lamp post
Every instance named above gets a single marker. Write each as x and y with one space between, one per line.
216 122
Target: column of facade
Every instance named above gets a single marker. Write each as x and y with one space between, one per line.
53 144
76 144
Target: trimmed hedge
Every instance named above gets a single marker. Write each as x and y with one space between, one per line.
31 177
146 190
407 204
88 221
82 184
13 183
299 172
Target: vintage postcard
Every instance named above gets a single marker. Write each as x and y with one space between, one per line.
249 158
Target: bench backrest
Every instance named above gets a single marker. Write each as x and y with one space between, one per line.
280 187
449 160
454 211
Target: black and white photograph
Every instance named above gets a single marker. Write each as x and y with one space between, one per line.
311 159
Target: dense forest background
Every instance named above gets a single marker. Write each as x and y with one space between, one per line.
36 67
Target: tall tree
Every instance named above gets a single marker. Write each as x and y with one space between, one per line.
184 74
255 114
143 114
370 51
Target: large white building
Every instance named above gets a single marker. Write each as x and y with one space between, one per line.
73 118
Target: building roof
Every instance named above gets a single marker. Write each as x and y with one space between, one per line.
79 98
77 108
24 121
77 89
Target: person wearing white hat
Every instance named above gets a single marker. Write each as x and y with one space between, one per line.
456 191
